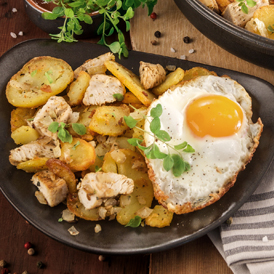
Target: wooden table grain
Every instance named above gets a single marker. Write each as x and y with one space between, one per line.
196 257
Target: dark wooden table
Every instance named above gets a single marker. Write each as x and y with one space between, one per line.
197 257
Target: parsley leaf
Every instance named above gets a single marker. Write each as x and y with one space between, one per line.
118 96
134 222
79 128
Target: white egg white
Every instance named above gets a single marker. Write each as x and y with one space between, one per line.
215 162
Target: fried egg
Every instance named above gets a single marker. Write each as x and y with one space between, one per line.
213 115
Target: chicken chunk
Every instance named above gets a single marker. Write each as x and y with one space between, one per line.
39 148
101 90
151 75
234 14
53 188
96 65
97 186
56 109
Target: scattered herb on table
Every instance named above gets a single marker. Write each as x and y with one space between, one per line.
113 11
173 162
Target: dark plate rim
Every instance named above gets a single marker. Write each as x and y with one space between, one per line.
155 248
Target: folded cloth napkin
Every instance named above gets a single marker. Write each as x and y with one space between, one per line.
247 244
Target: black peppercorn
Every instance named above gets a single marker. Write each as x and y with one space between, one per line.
40 265
157 34
187 40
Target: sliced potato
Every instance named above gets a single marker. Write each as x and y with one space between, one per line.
222 4
266 15
24 134
131 81
172 78
195 72
38 80
63 171
123 143
109 120
78 155
160 217
78 88
19 117
97 164
95 65
131 204
34 165
79 210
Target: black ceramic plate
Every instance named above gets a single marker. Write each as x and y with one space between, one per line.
114 238
240 42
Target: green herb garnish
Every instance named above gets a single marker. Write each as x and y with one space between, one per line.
173 162
271 28
97 169
63 133
60 220
47 74
76 145
118 96
134 222
113 11
244 4
33 73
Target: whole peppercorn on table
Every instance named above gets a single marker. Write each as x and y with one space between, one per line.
49 256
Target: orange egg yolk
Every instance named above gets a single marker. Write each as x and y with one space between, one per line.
214 115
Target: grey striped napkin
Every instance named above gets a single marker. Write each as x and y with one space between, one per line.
247 244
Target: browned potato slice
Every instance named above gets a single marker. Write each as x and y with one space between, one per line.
63 171
123 143
78 88
131 81
109 120
172 78
34 165
97 164
24 135
160 217
38 80
78 155
19 117
79 210
131 203
266 15
95 65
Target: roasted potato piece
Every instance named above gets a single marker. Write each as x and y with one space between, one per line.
130 98
95 65
78 88
172 78
131 81
19 117
34 165
38 80
97 164
131 204
79 210
63 171
24 135
78 155
212 4
266 15
109 120
123 143
195 72
160 217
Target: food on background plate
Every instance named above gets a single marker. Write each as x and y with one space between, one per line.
111 146
255 16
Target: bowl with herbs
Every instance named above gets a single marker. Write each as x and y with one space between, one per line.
70 20
245 28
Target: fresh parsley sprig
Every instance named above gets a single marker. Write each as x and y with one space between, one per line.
173 162
134 222
244 4
113 11
62 132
